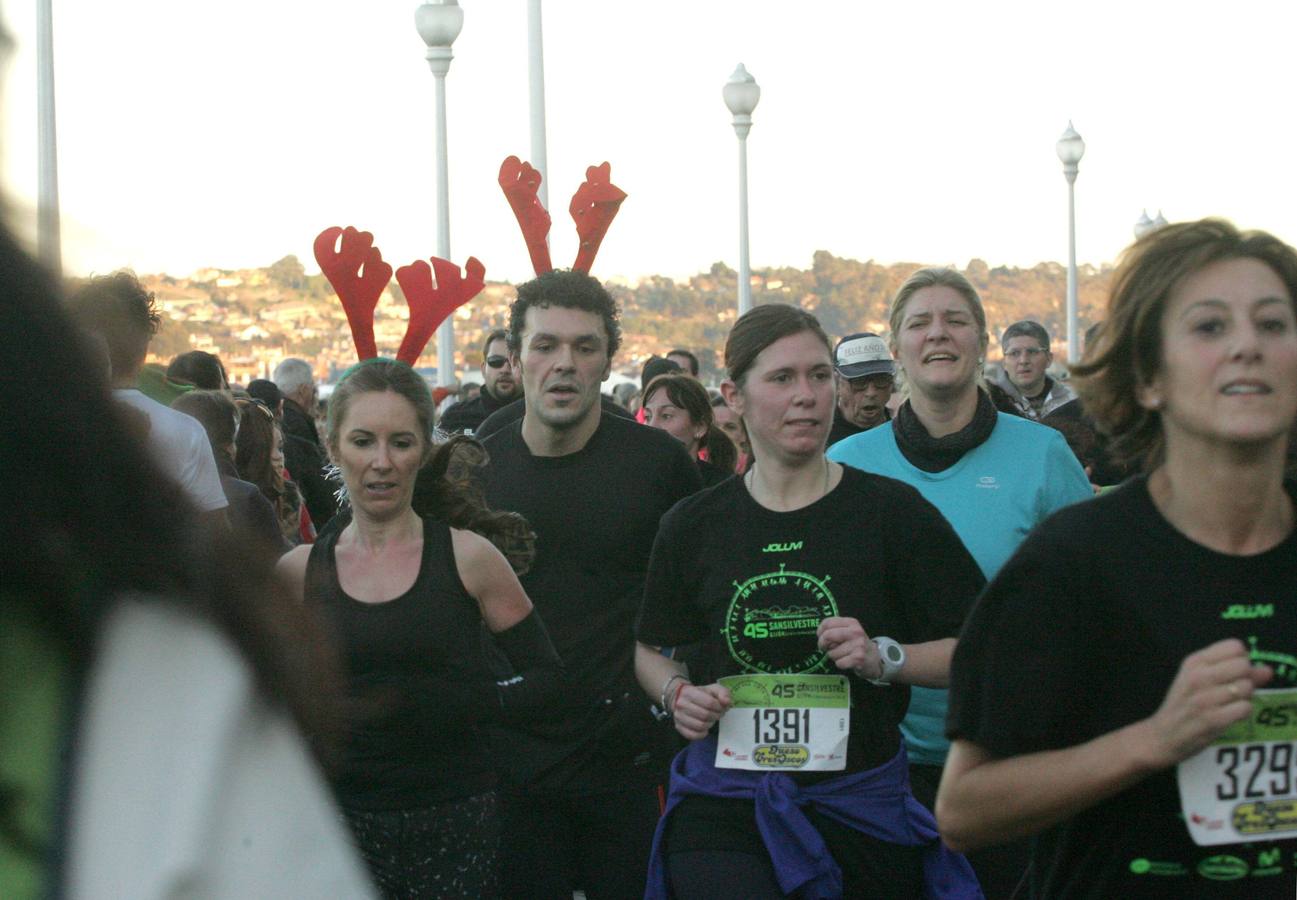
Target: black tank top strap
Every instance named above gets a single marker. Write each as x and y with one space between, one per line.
321 581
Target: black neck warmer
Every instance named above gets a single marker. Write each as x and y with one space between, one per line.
938 454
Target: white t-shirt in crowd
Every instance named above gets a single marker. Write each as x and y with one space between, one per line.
179 445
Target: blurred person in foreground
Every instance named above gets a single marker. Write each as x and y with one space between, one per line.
153 678
1123 690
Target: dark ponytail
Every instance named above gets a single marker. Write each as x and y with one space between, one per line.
447 489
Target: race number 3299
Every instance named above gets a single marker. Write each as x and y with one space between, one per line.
1243 787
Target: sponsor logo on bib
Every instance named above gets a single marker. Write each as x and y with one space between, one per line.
1223 868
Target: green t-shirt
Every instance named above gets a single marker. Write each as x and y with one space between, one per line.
34 682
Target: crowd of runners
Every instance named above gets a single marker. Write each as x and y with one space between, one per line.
870 620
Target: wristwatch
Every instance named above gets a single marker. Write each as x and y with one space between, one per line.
893 656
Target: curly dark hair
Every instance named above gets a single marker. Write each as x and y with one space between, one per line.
117 308
571 290
448 489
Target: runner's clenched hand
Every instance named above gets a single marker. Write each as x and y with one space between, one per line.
845 641
1212 691
697 707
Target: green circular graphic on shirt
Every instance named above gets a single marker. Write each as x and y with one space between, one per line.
771 622
1283 664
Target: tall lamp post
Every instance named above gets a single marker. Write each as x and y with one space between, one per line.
1070 149
536 80
439 23
741 94
48 238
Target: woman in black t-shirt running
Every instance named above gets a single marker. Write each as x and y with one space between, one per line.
407 597
1107 691
814 595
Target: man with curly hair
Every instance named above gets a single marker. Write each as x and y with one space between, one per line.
582 787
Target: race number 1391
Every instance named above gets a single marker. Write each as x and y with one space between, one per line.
788 722
781 726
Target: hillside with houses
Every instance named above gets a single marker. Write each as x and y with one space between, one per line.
252 318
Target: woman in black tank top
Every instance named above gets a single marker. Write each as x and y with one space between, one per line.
416 604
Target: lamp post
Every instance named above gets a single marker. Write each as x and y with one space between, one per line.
48 239
1070 149
536 80
1143 225
741 94
439 23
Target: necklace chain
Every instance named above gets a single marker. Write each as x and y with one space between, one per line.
750 479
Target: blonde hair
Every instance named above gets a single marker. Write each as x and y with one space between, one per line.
934 277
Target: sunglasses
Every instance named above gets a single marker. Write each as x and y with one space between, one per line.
496 362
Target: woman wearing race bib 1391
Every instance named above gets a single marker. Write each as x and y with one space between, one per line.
816 594
1126 688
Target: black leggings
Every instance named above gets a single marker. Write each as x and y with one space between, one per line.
599 843
450 849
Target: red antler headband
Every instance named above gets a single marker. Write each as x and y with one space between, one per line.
593 207
358 274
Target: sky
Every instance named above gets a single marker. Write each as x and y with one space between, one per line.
230 134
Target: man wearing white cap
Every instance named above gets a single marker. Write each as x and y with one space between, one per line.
865 376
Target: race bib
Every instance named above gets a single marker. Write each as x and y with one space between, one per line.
1244 786
785 723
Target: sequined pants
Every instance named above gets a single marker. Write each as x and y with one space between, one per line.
450 849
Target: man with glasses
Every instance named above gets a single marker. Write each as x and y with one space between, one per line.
1023 376
500 386
865 375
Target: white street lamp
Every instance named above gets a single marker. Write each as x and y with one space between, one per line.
1070 149
1143 225
48 238
439 23
536 80
741 94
